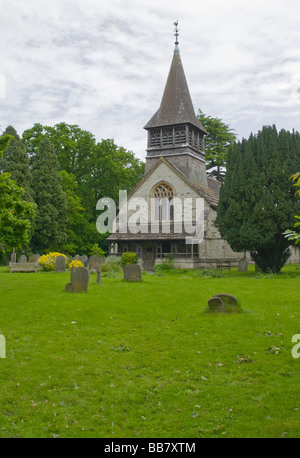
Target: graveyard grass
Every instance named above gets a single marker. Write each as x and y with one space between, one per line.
146 360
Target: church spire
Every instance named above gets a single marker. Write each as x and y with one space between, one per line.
176 105
175 132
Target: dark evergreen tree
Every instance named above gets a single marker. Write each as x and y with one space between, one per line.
257 200
51 217
16 162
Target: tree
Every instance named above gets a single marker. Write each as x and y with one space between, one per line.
51 217
16 162
217 142
257 201
90 171
290 234
15 215
4 142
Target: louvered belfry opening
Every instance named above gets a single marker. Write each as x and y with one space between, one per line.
175 136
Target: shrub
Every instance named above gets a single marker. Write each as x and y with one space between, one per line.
47 261
128 258
112 266
75 263
97 250
212 273
166 264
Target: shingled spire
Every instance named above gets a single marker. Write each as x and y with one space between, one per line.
176 105
175 129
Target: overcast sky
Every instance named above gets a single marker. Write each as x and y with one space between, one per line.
103 64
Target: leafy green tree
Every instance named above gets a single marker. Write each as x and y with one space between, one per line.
257 200
51 217
4 142
97 170
15 215
220 137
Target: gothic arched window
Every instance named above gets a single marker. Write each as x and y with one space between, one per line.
164 207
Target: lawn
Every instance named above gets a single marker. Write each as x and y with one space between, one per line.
130 360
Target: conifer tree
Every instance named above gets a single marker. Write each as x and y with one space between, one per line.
257 200
51 217
16 162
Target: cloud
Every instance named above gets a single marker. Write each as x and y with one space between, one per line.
103 65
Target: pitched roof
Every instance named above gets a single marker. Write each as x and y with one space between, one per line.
210 193
176 106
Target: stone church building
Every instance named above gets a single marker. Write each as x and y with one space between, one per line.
175 171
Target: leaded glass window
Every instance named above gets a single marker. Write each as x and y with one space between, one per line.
164 207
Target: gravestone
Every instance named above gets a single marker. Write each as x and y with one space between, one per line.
80 279
60 264
132 272
84 260
13 257
22 259
243 265
70 288
32 258
94 263
224 303
99 274
76 257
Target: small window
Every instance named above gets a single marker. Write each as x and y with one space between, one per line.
149 249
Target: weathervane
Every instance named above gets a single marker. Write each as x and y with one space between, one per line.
176 30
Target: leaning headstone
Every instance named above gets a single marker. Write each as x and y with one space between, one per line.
80 278
22 259
60 264
224 303
99 275
132 272
84 260
94 263
243 265
70 288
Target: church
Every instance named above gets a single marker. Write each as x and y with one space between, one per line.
174 184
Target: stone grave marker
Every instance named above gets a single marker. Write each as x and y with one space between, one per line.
132 272
94 263
99 274
22 259
223 303
70 288
243 265
80 277
60 264
84 260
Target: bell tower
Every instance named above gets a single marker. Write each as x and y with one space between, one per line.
174 132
